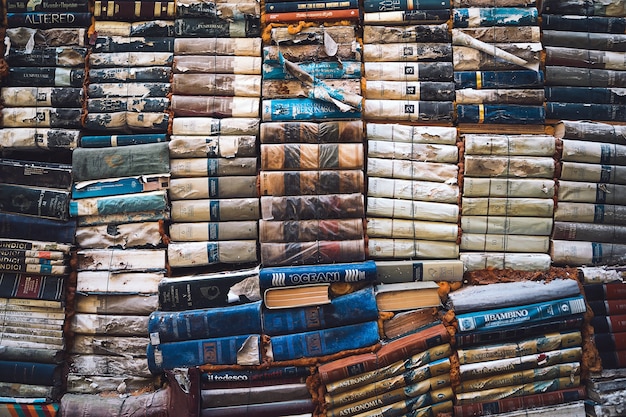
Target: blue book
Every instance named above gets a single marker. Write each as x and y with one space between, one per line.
494 16
210 351
121 204
324 342
274 70
30 373
500 114
164 326
289 109
346 309
282 276
498 79
105 141
18 226
505 318
120 186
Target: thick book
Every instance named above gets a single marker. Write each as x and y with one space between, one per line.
393 351
225 186
62 56
494 16
578 7
33 286
575 253
252 377
152 81
211 147
294 109
386 6
142 10
342 310
408 33
308 207
42 96
156 28
45 77
589 232
208 290
164 327
310 230
296 6
588 41
409 71
40 138
217 398
104 141
507 317
42 117
583 111
590 24
401 51
525 402
188 27
229 350
30 373
304 156
324 341
296 296
584 77
608 307
348 131
49 203
407 295
324 15
213 105
36 173
609 323
328 273
275 254
410 110
119 204
498 79
134 104
403 17
104 43
190 254
215 210
212 10
333 181
47 5
409 90
48 20
613 341
301 407
500 114
118 186
613 359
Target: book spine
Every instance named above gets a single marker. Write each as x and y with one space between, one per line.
498 79
587 253
116 205
328 273
343 310
599 111
17 226
119 44
135 10
33 286
35 201
323 70
133 81
151 104
569 7
212 106
584 77
415 33
590 24
589 232
415 90
188 254
602 291
243 186
67 56
500 114
33 173
271 375
297 6
507 317
212 167
48 20
310 156
423 52
321 15
390 6
303 109
600 95
494 16
199 27
48 6
103 141
310 132
407 16
409 71
324 342
29 373
606 342
310 230
209 84
424 111
302 407
42 96
304 207
215 10
45 77
585 41
42 117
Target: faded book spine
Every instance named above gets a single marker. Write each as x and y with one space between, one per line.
384 6
323 70
585 41
280 183
48 20
157 28
138 81
123 204
409 90
296 6
324 15
422 52
42 117
299 53
494 16
214 106
35 173
584 77
206 146
62 56
500 114
219 28
225 64
189 254
410 71
349 131
423 111
569 252
215 210
242 85
201 167
123 44
583 111
241 186
431 16
578 7
35 201
600 95
310 230
590 24
509 166
311 253
408 33
589 232
205 231
34 286
42 96
218 46
303 207
275 110
311 156
142 10
499 79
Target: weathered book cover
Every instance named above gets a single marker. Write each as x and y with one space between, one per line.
137 81
408 110
407 209
45 77
210 105
217 9
190 254
324 15
118 186
48 20
119 218
591 192
122 204
47 5
396 132
302 407
42 96
136 59
215 210
276 374
311 156
412 190
509 145
54 249
502 96
232 186
401 33
422 52
242 85
590 24
500 114
303 53
20 37
412 170
244 47
589 232
135 10
133 104
578 7
325 341
585 41
605 291
276 110
164 327
310 230
428 152
496 34
329 273
151 28
414 270
494 16
105 141
503 318
42 117
188 147
401 17
385 6
215 126
314 252
17 226
330 206
503 225
230 350
607 307
584 77
349 131
600 95
311 182
409 90
212 167
584 111
61 56
187 27
499 79
213 231
509 166
323 70
409 71
352 308
36 173
33 286
116 260
104 43
226 64
609 324
508 187
610 341
294 6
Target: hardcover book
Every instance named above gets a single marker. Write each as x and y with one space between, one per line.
23 285
327 273
296 296
407 295
36 173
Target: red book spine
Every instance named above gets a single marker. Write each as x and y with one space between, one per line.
609 324
320 15
519 403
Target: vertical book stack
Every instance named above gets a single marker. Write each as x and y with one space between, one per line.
519 346
497 56
508 201
589 220
585 47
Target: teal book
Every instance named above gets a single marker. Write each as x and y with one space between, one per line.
324 342
283 276
343 310
303 108
208 351
466 17
167 326
514 316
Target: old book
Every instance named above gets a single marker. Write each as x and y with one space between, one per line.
423 111
324 15
324 342
499 79
395 132
600 274
515 206
31 244
36 173
209 290
304 207
583 77
40 138
242 85
591 24
30 373
610 341
569 252
156 28
421 51
229 350
607 307
48 19
313 252
504 243
224 397
592 41
502 225
414 270
20 36
128 260
412 190
407 295
122 204
98 384
249 27
20 227
215 126
503 96
577 7
311 156
131 304
218 46
246 378
500 113
131 346
508 187
282 82
133 59
110 324
189 254
41 117
401 17
412 170
613 359
119 218
391 352
42 96
506 317
144 10
224 209
313 35
432 152
328 273
50 304
589 232
297 296
156 402
590 192
117 186
509 145
593 152
381 6
108 365
408 405
29 266
151 81
605 291
580 171
339 181
473 55
407 209
387 249
35 286
45 77
165 327
296 407
494 16
227 186
211 231
495 34
61 56
151 104
406 322
351 308
225 64
409 90
104 43
104 141
290 109
407 229
349 131
290 6
310 230
581 111
404 33
526 402
206 146
411 71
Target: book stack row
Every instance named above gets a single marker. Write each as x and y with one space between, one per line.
409 375
508 201
312 172
216 89
584 60
519 350
497 55
589 225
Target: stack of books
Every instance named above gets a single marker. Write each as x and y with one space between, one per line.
519 346
407 376
216 90
412 204
508 201
497 55
584 57
589 225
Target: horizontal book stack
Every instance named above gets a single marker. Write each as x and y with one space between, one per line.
407 376
607 392
413 195
519 346
508 201
130 68
216 89
584 58
496 55
607 301
589 220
